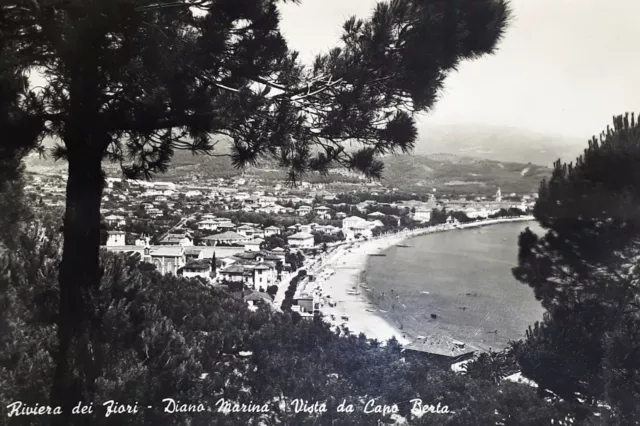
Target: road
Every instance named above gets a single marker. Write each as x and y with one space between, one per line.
177 225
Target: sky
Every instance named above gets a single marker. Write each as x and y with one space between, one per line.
564 68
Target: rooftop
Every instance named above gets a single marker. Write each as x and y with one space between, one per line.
198 265
300 236
226 236
440 345
167 251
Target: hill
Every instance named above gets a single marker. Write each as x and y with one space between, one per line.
458 174
499 143
418 173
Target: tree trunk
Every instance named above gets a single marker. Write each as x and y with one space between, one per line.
79 279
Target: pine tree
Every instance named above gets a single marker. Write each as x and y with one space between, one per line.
584 271
131 81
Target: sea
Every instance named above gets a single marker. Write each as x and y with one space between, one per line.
456 283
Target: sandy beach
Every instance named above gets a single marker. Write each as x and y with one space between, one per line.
340 276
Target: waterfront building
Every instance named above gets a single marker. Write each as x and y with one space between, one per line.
301 240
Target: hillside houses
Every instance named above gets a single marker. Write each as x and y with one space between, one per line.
255 268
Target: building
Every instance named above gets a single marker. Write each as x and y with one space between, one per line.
271 230
167 260
352 221
233 273
263 276
257 298
303 210
364 230
305 229
115 238
249 231
228 237
253 245
177 239
306 298
198 268
301 240
323 212
348 226
226 226
208 225
254 275
115 220
422 214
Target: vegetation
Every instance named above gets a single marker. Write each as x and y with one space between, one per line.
510 212
584 272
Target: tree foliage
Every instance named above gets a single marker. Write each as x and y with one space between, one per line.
584 272
162 336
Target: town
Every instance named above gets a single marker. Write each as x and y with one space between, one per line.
249 237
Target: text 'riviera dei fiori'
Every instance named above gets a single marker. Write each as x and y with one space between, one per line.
171 406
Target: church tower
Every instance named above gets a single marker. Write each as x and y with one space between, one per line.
498 195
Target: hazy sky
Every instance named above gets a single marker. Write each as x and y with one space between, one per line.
565 67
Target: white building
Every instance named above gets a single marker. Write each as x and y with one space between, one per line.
305 229
253 245
422 214
115 238
197 268
303 210
263 276
271 230
168 259
323 212
208 225
115 220
301 240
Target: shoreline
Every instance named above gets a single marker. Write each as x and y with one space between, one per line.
341 276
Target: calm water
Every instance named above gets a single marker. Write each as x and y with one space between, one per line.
462 276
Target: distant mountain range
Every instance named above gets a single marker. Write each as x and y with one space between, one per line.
464 159
417 173
499 143
459 174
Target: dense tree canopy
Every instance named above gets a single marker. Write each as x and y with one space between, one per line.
584 272
163 336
